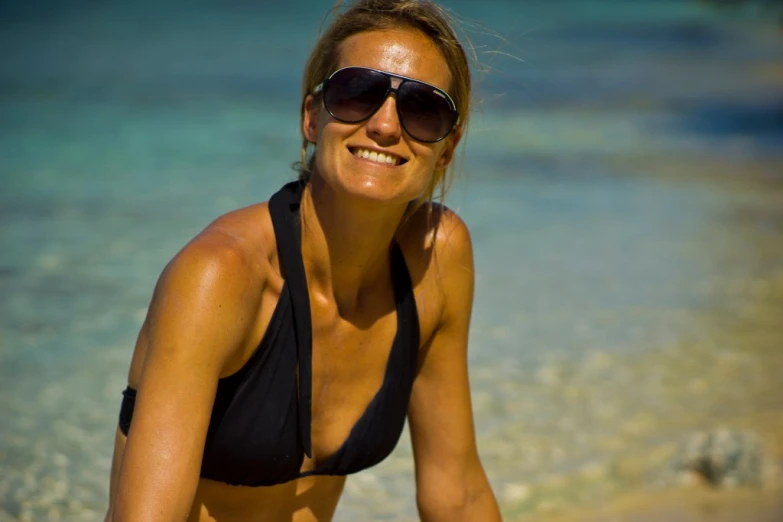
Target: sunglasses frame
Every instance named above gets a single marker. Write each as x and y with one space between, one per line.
321 88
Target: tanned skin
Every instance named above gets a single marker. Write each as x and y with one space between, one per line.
213 302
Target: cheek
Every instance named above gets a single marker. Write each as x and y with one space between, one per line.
322 157
430 156
324 141
327 150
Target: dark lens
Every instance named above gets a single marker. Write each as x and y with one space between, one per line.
354 94
424 112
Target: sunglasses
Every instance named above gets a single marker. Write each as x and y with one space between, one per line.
353 94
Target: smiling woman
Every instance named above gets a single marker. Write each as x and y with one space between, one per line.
286 344
424 19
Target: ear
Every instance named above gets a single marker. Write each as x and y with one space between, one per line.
310 110
448 151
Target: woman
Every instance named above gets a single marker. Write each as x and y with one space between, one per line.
286 343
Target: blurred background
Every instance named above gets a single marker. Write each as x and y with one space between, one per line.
622 178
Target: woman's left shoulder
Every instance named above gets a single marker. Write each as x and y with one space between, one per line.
437 228
436 240
437 247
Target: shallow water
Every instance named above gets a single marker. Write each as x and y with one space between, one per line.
622 185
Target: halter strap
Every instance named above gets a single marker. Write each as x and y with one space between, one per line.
284 210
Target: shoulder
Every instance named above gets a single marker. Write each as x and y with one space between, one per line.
206 299
229 259
439 252
438 239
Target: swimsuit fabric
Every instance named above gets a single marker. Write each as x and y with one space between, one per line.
259 431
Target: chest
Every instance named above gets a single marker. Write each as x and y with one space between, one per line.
356 363
350 359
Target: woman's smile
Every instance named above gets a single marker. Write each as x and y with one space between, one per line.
377 157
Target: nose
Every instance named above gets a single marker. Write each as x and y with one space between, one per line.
384 126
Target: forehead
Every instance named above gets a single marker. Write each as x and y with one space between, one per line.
404 52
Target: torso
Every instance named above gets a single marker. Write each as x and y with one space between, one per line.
308 499
340 391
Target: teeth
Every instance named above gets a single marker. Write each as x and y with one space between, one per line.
377 157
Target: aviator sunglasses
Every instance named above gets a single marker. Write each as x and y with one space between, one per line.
353 94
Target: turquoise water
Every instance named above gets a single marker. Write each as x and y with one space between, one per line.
618 179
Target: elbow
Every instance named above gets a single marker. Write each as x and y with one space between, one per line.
443 503
436 510
458 504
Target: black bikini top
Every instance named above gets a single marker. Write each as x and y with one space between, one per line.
259 431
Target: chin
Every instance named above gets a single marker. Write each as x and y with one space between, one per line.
366 180
370 185
386 188
373 189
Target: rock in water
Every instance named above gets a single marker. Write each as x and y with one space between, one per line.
722 458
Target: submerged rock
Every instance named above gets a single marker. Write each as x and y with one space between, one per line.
720 458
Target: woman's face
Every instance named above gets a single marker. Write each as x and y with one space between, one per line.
339 145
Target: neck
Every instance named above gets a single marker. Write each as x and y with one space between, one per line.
345 243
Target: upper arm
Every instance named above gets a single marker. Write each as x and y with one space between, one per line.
202 310
440 412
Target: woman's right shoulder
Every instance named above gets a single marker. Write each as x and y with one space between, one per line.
206 299
228 263
210 291
235 248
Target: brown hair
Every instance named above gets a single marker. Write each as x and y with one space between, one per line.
378 15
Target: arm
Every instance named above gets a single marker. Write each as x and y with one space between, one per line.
450 481
201 312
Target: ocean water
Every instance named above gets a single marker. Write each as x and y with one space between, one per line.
622 179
